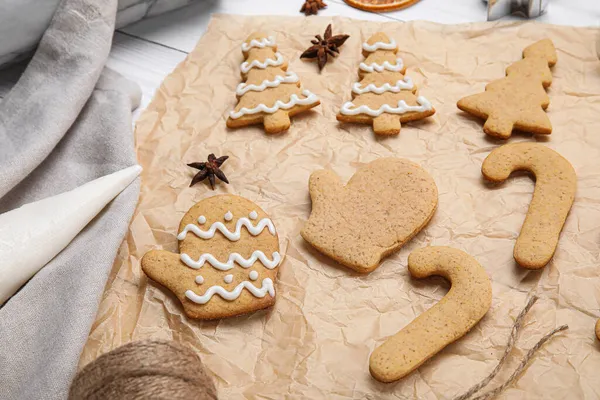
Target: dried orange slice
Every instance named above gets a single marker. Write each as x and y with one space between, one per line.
380 5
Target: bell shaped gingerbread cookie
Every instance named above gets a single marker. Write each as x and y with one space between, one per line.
228 261
382 207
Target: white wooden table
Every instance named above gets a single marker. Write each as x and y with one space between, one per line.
148 51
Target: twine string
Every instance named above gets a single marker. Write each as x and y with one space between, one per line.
509 347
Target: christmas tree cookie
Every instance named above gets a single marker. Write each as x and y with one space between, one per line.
517 101
270 94
384 97
227 261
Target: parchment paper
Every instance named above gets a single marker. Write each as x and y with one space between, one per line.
316 342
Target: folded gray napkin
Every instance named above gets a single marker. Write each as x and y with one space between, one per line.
66 122
22 22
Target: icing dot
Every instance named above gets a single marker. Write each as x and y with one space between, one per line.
228 216
253 215
202 219
253 275
228 278
199 279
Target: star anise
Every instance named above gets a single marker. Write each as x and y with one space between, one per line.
312 7
324 46
209 170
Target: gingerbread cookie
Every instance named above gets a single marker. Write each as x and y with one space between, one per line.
270 94
517 101
384 97
229 254
556 183
468 300
383 206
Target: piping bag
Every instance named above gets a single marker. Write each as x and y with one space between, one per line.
33 234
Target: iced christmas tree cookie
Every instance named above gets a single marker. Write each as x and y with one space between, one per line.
270 94
384 97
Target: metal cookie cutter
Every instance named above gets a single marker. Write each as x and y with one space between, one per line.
529 8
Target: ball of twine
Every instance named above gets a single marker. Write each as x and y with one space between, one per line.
148 369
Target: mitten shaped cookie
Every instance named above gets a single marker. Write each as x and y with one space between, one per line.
229 254
269 94
384 97
384 205
517 101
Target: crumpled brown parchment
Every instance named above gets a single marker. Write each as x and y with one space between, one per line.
316 341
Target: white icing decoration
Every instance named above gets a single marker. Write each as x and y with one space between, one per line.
407 83
294 100
267 287
253 215
379 46
269 62
228 216
202 219
424 105
199 279
253 275
261 44
233 258
254 230
244 88
228 278
380 68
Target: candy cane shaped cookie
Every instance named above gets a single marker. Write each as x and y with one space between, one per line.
553 197
469 298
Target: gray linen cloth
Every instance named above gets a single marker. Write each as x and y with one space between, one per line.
22 22
66 122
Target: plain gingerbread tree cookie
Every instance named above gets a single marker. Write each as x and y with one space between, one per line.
517 101
227 262
383 206
384 97
270 94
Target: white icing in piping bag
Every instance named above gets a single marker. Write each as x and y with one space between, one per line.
32 235
267 287
349 109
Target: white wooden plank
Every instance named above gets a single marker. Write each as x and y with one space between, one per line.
181 29
142 62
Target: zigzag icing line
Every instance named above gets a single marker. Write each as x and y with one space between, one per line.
407 83
233 258
262 43
233 236
424 105
267 287
310 98
374 67
269 62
